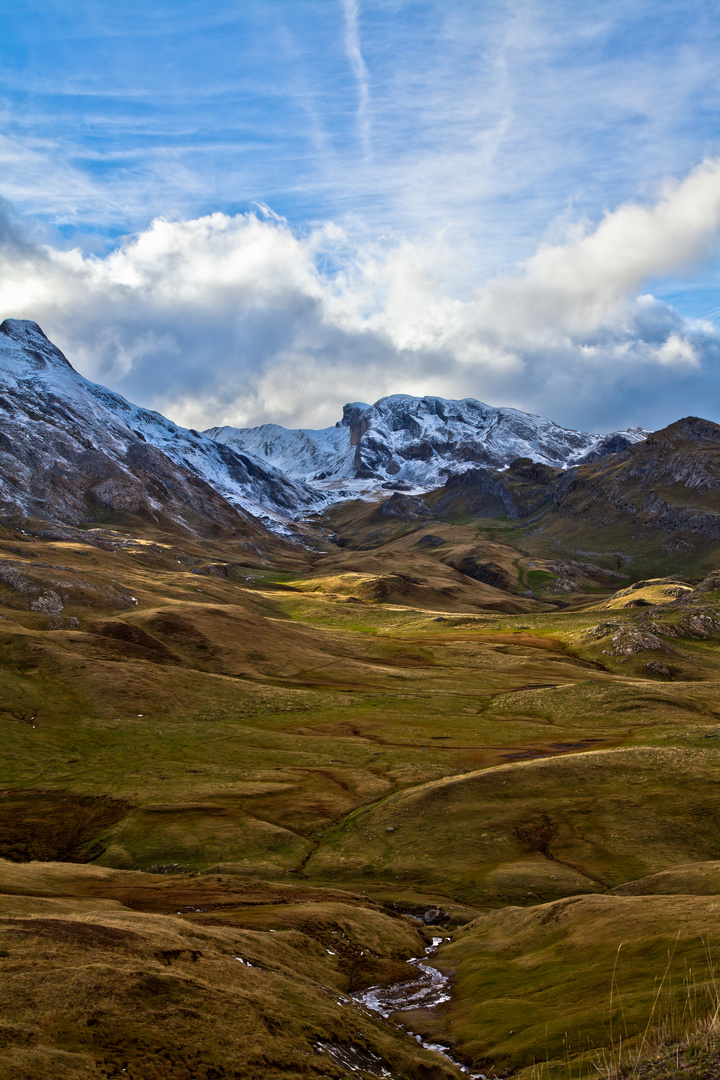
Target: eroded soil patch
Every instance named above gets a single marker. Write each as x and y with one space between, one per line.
54 826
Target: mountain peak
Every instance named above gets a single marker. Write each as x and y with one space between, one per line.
71 449
22 329
689 429
34 342
413 443
353 411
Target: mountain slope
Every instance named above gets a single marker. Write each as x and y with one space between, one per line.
670 482
415 443
655 503
71 450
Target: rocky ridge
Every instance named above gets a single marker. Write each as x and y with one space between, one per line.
663 487
411 444
667 483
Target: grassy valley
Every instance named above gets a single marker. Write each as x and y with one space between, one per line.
243 781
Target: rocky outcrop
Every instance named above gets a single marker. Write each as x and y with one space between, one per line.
660 625
517 492
355 419
488 572
631 640
404 507
709 584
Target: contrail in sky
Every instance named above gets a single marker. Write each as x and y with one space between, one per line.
359 69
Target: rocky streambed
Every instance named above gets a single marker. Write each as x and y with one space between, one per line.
425 988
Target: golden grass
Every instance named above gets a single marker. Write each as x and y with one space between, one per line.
93 989
657 592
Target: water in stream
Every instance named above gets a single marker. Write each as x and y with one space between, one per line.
428 989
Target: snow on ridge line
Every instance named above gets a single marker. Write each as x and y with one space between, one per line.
416 443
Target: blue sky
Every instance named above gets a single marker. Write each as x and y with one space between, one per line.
411 154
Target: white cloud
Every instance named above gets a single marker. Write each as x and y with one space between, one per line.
676 351
582 281
236 319
488 119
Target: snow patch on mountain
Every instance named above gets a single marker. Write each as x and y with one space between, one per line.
310 455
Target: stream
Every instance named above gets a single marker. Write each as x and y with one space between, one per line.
427 990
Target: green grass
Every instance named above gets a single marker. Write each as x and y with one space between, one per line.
529 832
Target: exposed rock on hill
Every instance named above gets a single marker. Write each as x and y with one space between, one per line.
488 572
669 613
404 507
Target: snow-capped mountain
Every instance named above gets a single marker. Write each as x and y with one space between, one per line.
70 448
415 443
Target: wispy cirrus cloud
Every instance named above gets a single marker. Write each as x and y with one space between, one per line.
488 122
359 70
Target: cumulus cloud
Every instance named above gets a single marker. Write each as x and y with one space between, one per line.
583 283
242 320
